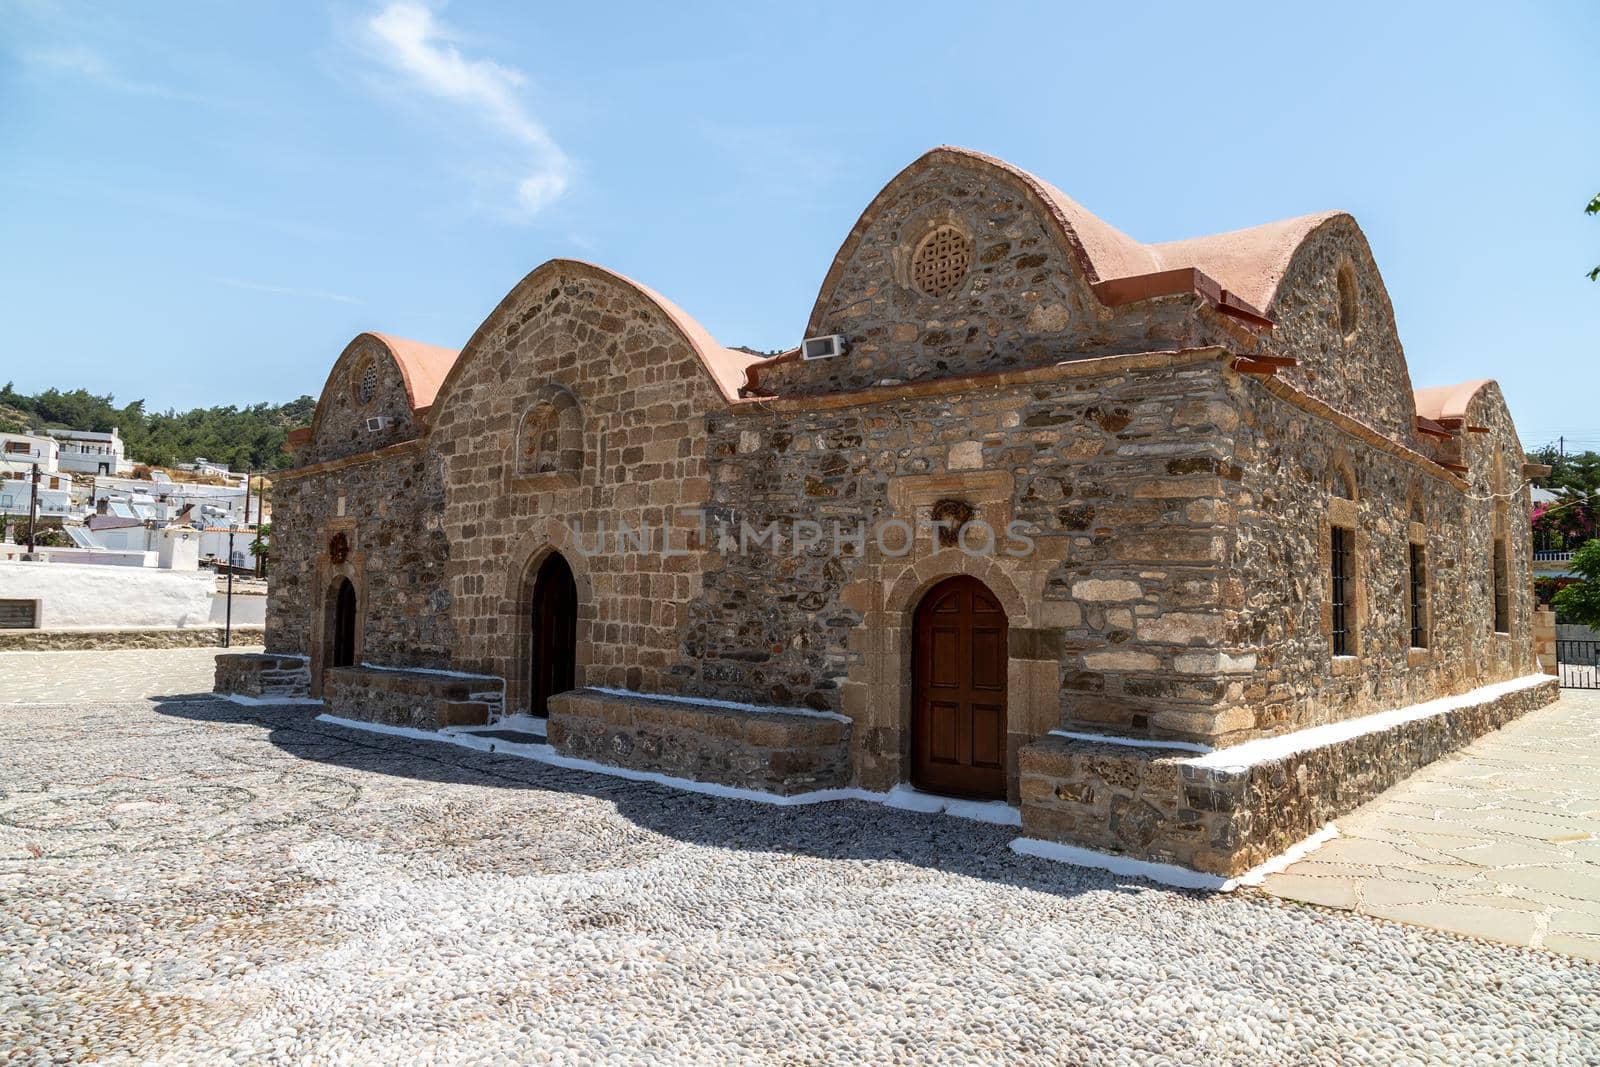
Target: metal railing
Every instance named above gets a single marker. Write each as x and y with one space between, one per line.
1579 664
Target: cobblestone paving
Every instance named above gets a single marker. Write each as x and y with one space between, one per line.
192 881
1500 840
117 674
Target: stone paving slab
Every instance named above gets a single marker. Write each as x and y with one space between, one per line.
108 675
1500 840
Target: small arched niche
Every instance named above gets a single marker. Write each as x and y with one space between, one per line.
549 442
1349 300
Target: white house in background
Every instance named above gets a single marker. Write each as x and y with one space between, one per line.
88 452
123 534
55 496
202 465
20 451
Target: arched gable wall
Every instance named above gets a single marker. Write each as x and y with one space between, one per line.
643 388
1025 298
1365 375
339 427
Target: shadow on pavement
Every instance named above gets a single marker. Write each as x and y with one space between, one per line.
845 830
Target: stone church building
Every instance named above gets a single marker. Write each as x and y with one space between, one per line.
1138 537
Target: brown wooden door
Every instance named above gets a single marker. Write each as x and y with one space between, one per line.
555 634
958 713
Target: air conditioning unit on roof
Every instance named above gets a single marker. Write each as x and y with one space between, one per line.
824 347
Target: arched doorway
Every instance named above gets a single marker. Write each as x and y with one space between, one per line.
343 653
554 628
958 708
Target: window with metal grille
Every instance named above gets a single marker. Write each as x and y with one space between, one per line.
940 261
1502 589
18 614
365 382
1419 595
1343 545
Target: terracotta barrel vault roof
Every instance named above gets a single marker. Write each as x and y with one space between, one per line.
1443 403
422 367
1240 271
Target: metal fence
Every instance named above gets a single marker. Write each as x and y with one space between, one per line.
1579 662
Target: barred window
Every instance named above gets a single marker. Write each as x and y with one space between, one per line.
368 386
1419 595
1343 546
1502 589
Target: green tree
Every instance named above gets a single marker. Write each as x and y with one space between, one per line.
251 437
262 545
1580 601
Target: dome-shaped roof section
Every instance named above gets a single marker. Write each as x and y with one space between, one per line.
1442 403
1247 264
1250 262
422 367
725 366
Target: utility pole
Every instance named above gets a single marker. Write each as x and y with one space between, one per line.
227 630
33 509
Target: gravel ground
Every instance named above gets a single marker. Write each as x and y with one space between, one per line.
188 880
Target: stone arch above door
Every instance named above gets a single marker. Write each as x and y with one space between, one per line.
342 559
878 693
513 642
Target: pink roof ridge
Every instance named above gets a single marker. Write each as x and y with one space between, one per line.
422 367
1248 263
1444 402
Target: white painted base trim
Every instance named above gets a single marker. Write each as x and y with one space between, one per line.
1268 749
266 702
903 797
434 670
1170 873
1132 742
520 722
731 705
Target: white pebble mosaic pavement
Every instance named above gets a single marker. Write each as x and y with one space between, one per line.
190 880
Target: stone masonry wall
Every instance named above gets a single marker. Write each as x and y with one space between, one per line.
1117 476
262 675
417 699
1173 807
391 511
1363 375
773 751
641 397
1023 302
63 640
1284 506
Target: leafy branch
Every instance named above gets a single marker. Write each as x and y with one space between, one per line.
1594 209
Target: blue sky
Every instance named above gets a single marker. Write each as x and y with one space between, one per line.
202 203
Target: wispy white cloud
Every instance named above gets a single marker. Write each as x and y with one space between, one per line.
80 61
314 294
407 37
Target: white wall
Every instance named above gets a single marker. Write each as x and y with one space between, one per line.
83 596
247 610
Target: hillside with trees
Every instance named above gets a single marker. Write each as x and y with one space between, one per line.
244 438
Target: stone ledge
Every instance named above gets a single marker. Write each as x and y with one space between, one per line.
105 640
773 750
262 674
1206 813
423 700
